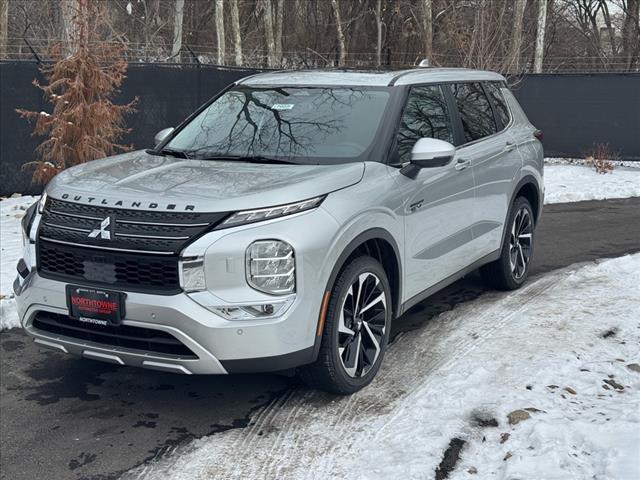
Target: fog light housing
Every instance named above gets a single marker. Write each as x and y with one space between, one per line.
251 312
192 274
270 267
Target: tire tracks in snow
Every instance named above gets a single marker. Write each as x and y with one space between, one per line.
298 434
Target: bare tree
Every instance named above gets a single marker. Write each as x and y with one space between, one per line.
613 44
237 34
220 30
342 53
378 15
278 33
540 32
631 34
513 59
68 27
177 29
267 17
4 26
427 27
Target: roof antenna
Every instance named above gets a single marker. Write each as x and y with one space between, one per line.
424 63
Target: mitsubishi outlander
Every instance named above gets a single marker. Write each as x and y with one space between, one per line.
286 224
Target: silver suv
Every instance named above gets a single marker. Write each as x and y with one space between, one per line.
286 224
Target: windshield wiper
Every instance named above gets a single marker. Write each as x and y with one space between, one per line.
169 151
249 159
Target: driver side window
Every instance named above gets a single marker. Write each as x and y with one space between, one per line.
425 115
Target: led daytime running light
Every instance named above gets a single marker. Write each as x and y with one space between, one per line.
251 216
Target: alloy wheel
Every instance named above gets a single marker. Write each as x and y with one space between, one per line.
362 324
520 243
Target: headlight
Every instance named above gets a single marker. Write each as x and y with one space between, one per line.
270 267
251 216
192 274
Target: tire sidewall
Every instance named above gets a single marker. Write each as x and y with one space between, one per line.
518 204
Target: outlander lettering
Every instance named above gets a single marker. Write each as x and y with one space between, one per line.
124 204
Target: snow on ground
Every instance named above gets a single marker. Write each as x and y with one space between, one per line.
574 183
11 212
582 161
563 352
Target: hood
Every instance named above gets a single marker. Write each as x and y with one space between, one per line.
139 180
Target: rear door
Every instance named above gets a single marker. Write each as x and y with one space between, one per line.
438 202
497 175
494 159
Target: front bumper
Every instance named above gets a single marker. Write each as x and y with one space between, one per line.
220 346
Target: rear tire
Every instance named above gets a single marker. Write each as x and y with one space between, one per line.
356 330
511 270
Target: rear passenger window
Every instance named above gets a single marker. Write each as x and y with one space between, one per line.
475 111
425 115
499 103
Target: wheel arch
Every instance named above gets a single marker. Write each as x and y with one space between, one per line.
379 244
529 188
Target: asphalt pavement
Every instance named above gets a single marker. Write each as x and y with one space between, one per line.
67 418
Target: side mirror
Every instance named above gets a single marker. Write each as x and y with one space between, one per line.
162 134
428 153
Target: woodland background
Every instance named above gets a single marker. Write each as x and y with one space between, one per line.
510 36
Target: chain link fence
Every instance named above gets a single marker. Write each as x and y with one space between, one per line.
30 49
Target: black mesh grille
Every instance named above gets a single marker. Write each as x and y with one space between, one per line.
127 271
124 336
136 251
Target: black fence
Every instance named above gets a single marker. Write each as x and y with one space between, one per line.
574 111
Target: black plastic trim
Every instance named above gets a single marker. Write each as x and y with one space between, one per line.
530 179
22 268
122 336
270 364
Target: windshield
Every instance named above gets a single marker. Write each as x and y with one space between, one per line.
315 124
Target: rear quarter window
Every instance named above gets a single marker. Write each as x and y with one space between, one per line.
499 103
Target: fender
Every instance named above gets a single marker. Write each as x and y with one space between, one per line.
532 180
526 180
351 247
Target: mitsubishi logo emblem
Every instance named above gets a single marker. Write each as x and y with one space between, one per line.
103 232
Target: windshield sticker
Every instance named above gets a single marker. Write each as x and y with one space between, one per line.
282 106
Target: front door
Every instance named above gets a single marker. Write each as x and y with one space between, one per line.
438 202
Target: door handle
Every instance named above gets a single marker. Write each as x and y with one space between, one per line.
509 146
461 164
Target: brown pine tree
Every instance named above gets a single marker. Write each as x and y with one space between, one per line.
84 124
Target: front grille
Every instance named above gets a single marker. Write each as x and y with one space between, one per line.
132 230
123 249
124 336
127 271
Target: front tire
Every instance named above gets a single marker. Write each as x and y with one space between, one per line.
356 329
511 270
